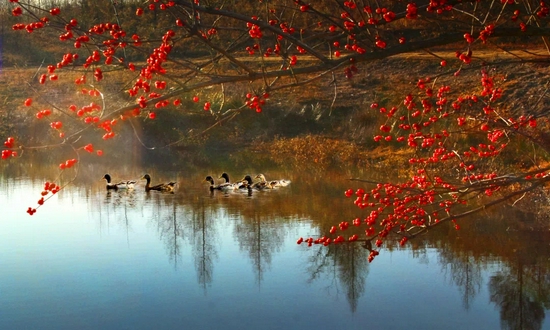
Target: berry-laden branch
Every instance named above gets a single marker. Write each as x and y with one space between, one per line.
459 127
451 179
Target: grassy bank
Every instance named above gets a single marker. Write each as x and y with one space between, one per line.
327 123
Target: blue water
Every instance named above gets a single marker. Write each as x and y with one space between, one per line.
89 259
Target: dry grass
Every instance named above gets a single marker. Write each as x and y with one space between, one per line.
324 152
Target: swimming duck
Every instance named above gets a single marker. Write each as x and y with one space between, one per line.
213 186
164 187
227 185
273 183
248 184
120 185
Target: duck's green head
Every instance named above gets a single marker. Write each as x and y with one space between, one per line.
225 176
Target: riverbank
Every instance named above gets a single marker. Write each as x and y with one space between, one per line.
331 122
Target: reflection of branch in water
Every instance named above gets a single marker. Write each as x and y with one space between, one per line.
318 263
176 252
349 264
127 226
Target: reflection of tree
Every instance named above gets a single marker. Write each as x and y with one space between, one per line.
203 238
120 202
176 223
347 263
353 271
170 229
522 292
465 273
260 237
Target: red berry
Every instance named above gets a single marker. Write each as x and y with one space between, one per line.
89 148
31 210
17 11
55 11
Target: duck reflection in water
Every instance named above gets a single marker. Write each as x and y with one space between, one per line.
121 197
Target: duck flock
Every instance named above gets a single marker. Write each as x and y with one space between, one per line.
245 184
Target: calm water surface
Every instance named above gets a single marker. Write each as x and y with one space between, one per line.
92 259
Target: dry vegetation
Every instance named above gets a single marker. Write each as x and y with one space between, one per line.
329 123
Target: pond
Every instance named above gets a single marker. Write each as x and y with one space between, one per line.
96 259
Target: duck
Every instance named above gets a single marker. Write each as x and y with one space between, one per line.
248 184
164 187
213 186
128 184
273 183
227 185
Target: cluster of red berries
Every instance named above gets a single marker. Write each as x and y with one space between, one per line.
254 30
107 126
7 153
56 125
89 148
43 113
30 27
152 7
327 240
68 163
49 188
395 206
87 109
256 102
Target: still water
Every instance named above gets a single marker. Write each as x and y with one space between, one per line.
93 259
